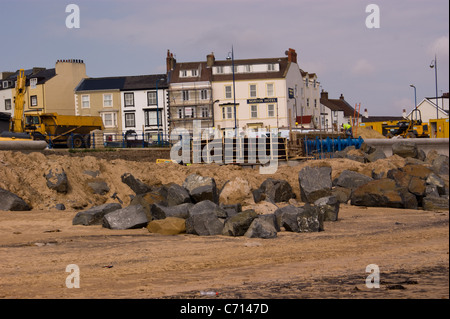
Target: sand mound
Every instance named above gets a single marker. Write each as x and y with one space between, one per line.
367 133
23 175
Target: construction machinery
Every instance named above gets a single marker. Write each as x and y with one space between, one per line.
66 130
408 128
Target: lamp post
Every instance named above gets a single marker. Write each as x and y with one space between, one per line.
434 65
415 99
234 89
157 110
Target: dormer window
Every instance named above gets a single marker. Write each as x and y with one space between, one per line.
33 83
194 72
5 84
183 73
271 67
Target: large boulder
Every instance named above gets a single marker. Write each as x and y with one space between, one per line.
148 200
260 228
314 182
130 217
417 186
381 193
177 195
435 203
94 215
272 219
277 190
329 207
159 211
441 165
98 186
238 224
417 170
342 194
286 217
167 226
135 184
405 149
203 220
351 179
235 191
375 155
12 202
201 188
310 219
57 180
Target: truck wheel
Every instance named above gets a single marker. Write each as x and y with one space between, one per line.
75 141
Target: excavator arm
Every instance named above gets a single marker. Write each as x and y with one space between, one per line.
19 101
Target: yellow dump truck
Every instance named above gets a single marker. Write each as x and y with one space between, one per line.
65 130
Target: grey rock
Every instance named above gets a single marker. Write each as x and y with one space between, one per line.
286 217
431 191
259 228
435 203
206 192
94 215
12 202
203 220
159 211
310 220
342 194
272 219
148 200
195 181
92 173
352 180
231 209
375 156
57 180
238 224
405 149
315 182
258 195
329 207
130 217
135 184
366 148
177 195
98 187
441 165
60 207
277 190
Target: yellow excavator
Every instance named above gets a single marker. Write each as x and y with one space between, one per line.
16 138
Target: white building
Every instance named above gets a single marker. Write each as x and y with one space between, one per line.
335 112
144 106
430 109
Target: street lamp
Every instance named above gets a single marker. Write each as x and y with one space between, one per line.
157 109
434 65
415 100
234 89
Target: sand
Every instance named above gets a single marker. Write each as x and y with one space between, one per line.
409 246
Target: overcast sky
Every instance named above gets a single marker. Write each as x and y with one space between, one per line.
371 66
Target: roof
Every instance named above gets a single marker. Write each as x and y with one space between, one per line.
41 74
95 84
144 82
381 118
205 73
338 105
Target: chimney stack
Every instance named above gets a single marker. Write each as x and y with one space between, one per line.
210 59
341 97
366 114
292 55
170 61
324 95
404 113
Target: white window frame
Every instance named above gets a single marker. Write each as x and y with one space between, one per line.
271 109
105 100
229 112
183 73
85 104
204 94
35 98
253 93
5 84
228 95
194 72
33 83
6 104
272 93
113 119
204 111
152 98
254 111
307 102
219 70
271 67
185 95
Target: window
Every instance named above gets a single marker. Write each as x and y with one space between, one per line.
130 120
269 88
151 98
252 90
219 70
227 112
254 111
185 95
307 102
271 67
109 119
194 72
315 83
129 99
204 94
7 104
271 110
33 100
33 83
315 103
307 82
183 73
107 100
85 101
150 117
228 94
248 68
5 84
189 112
204 111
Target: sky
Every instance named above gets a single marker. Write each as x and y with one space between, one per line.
372 66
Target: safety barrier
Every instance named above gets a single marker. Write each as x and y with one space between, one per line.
324 148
